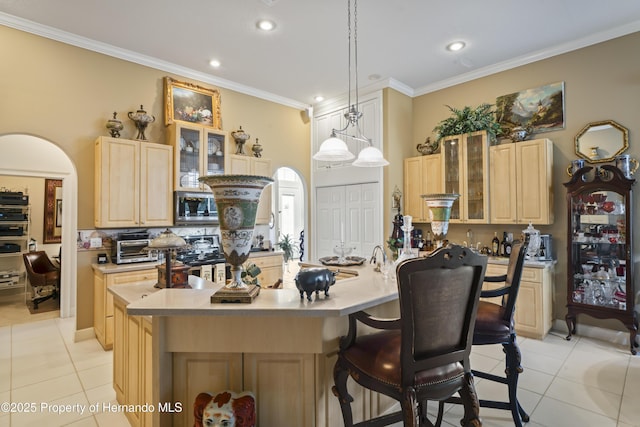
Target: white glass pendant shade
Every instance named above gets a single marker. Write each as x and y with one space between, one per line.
333 150
370 157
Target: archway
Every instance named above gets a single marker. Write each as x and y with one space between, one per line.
28 155
289 202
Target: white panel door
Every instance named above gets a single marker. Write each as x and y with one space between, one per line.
330 211
351 212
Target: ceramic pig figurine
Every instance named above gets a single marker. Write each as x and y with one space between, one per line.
314 279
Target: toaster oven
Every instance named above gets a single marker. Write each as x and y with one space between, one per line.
132 251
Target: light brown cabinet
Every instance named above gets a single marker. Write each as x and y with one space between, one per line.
271 268
465 169
534 306
133 364
521 186
422 175
132 183
199 151
103 315
248 165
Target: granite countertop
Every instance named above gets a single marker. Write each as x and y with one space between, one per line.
121 268
347 296
527 263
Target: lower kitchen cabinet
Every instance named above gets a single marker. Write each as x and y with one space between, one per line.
103 301
534 306
133 364
270 266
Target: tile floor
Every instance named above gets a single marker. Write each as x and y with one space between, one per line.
583 382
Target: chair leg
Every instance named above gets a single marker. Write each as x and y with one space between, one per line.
410 408
470 402
340 377
513 370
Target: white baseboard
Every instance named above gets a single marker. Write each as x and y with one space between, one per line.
84 334
596 332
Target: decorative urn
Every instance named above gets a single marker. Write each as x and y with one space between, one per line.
531 235
115 126
257 149
520 133
240 137
439 213
142 120
427 147
237 198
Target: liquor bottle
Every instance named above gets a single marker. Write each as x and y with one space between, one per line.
507 245
503 244
429 242
495 244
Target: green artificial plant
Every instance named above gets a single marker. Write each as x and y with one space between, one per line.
469 120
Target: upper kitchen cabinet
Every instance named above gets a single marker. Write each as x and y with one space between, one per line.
132 183
422 175
199 151
465 164
521 187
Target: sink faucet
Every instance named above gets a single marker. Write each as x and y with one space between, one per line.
374 260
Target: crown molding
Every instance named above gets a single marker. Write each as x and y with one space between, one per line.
137 58
533 57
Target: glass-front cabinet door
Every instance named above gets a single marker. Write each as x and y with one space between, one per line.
465 163
199 151
600 277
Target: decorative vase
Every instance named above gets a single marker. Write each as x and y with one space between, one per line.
237 198
439 213
240 137
257 149
142 120
115 126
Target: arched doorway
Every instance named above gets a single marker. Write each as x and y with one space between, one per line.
28 155
290 201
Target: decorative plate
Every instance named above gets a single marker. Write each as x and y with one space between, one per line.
348 260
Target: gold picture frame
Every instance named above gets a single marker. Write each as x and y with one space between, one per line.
190 103
52 229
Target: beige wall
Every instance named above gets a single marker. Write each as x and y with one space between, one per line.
66 95
601 82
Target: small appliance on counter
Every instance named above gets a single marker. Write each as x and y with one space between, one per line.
546 251
130 247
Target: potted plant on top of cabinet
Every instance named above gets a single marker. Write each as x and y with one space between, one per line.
468 120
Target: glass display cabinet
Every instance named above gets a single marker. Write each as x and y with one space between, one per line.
465 162
600 255
199 151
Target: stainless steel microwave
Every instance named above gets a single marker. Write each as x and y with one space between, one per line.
194 208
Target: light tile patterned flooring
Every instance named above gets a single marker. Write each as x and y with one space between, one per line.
583 382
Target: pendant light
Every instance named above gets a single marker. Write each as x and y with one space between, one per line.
335 149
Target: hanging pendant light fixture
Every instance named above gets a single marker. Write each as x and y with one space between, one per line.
335 149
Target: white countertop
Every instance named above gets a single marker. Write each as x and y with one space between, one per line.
346 296
110 268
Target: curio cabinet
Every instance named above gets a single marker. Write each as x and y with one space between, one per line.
600 254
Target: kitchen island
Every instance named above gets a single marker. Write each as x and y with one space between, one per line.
172 344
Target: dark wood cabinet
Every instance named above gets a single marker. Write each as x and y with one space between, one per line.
600 248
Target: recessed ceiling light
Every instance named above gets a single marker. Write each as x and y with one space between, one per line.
318 98
455 46
214 63
266 25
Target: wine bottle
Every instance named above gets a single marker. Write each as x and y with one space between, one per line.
495 244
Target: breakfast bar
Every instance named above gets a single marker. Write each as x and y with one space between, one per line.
172 344
280 347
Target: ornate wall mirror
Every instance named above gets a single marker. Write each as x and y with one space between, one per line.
600 142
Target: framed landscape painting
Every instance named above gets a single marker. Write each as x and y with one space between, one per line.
541 109
191 103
